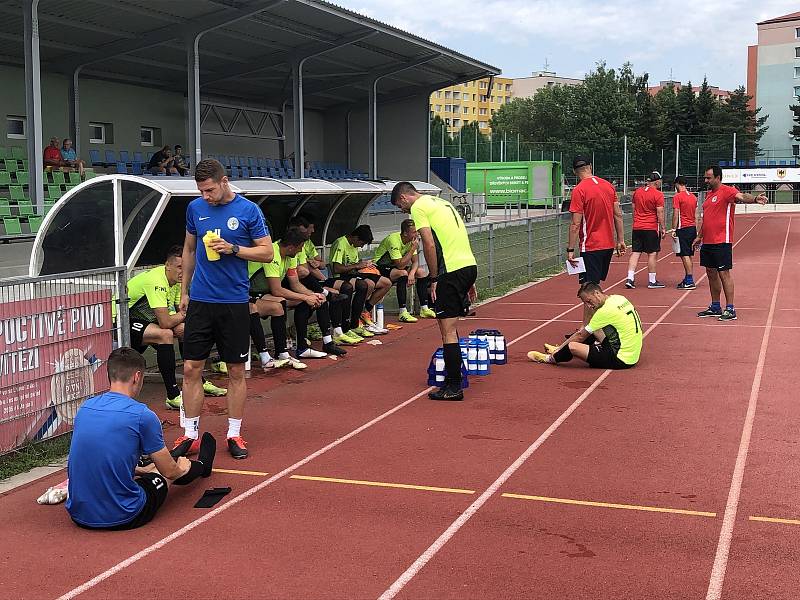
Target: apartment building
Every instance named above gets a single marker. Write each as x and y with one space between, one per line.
473 101
526 87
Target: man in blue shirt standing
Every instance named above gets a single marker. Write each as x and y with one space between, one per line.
215 296
112 431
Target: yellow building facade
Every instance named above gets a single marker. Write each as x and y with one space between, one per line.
472 101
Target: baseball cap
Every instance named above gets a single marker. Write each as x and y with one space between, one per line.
654 176
581 161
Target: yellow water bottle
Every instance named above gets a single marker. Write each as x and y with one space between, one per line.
209 237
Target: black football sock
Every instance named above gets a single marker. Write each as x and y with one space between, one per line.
165 356
257 333
402 292
452 365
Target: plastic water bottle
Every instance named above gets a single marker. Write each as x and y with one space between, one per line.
472 357
483 357
379 315
500 349
439 367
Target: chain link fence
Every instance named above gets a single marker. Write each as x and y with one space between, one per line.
55 334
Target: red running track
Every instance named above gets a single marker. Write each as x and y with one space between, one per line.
547 482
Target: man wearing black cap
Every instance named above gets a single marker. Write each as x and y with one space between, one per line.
596 215
648 229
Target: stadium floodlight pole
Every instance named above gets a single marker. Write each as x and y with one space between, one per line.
459 143
33 104
75 110
662 161
734 148
476 144
677 153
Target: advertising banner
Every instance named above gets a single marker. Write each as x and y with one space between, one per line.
52 357
762 175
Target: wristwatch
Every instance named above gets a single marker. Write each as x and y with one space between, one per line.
234 249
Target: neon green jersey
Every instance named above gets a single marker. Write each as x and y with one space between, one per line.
343 253
622 326
392 248
259 272
449 233
150 290
309 251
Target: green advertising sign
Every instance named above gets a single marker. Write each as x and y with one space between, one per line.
532 182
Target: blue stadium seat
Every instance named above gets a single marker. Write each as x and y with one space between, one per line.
281 173
137 157
122 168
751 163
285 163
245 172
762 163
136 168
94 156
124 156
772 163
226 162
252 162
784 162
111 157
261 162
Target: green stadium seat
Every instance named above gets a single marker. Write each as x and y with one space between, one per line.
17 193
12 226
25 209
35 223
88 174
4 153
23 177
5 209
5 178
24 162
18 152
48 206
54 192
11 165
58 177
74 177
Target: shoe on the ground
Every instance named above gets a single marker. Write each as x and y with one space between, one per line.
655 284
539 357
550 348
684 285
362 332
175 403
275 363
295 364
183 446
366 316
427 313
347 340
710 312
353 335
311 353
446 393
209 389
219 367
333 349
237 447
392 326
314 333
373 328
727 315
629 284
407 317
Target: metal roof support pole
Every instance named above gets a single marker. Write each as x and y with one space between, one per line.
193 105
75 111
297 113
33 104
372 128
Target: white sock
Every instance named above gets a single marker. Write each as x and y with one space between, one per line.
264 356
631 275
651 277
424 307
283 356
191 427
234 425
326 339
337 331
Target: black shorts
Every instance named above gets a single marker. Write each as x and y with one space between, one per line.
386 270
646 240
602 356
137 334
371 276
451 292
226 325
717 256
155 489
686 237
596 263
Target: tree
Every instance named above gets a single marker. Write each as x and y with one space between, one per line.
470 132
735 116
439 135
686 115
795 132
704 108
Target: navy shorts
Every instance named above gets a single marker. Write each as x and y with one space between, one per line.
596 263
686 237
717 256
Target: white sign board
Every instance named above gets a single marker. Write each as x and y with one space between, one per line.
762 175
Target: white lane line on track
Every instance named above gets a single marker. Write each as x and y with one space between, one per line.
473 508
729 518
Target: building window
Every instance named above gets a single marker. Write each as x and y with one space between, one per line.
438 108
456 122
439 94
483 85
466 110
797 32
447 94
796 72
797 52
99 133
508 87
796 149
447 122
150 136
15 127
797 91
482 125
473 110
448 107
456 95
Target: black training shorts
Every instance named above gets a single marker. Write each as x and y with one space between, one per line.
451 292
155 489
602 356
646 240
596 263
137 334
226 325
686 237
717 256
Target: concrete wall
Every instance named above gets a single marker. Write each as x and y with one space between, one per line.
774 93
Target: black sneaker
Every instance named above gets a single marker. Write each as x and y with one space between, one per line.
710 312
237 447
655 284
684 285
447 393
727 315
629 284
331 348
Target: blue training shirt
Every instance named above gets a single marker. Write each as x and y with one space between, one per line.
111 432
223 281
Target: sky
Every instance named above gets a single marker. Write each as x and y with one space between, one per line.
687 39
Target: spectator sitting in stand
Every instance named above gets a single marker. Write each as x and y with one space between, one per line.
179 161
70 157
53 157
162 162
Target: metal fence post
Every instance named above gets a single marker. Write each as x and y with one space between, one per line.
491 255
559 225
530 247
121 295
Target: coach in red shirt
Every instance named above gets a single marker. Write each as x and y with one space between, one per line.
648 229
684 207
595 216
716 237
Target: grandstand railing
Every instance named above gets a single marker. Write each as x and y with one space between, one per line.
56 332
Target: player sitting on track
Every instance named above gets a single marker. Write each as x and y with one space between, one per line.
368 285
107 489
309 264
611 340
153 297
397 258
